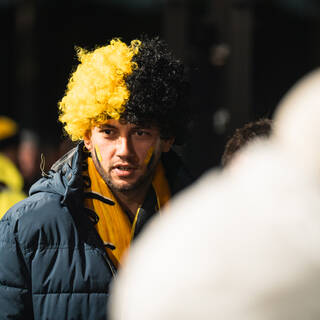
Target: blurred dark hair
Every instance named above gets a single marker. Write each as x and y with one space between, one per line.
242 136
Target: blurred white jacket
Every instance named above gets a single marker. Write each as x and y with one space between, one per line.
240 244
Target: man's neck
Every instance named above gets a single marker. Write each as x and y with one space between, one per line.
131 200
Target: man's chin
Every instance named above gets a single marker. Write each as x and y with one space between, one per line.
129 184
122 186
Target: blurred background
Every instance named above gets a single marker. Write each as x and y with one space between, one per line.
243 55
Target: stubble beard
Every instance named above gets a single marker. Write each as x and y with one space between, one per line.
141 183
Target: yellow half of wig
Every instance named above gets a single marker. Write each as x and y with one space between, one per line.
96 90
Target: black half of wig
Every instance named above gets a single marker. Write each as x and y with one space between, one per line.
158 91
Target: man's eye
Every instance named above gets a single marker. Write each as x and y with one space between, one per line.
107 131
141 133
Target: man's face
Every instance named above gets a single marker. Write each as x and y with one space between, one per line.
125 154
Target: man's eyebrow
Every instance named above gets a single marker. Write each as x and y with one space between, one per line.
140 126
107 125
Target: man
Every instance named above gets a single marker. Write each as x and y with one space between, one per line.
11 181
61 247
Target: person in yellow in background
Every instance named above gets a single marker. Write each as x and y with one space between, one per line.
11 181
60 249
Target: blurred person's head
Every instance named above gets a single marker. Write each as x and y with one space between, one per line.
29 156
249 132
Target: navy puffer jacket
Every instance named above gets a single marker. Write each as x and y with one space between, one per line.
53 264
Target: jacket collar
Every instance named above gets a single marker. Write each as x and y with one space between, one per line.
64 177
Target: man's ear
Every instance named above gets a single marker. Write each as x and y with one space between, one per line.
87 140
167 144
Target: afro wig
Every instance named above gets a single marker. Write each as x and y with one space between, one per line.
141 83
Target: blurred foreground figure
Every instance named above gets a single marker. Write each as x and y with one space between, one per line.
62 246
11 181
242 243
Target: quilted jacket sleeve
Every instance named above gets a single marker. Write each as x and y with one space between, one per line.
15 295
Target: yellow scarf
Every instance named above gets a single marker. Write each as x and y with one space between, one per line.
114 225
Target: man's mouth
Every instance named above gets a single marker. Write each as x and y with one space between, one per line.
124 170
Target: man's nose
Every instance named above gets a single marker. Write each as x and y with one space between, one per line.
124 147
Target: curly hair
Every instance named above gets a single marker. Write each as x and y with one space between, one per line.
241 136
141 83
158 91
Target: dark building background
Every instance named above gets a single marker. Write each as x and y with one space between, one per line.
243 56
